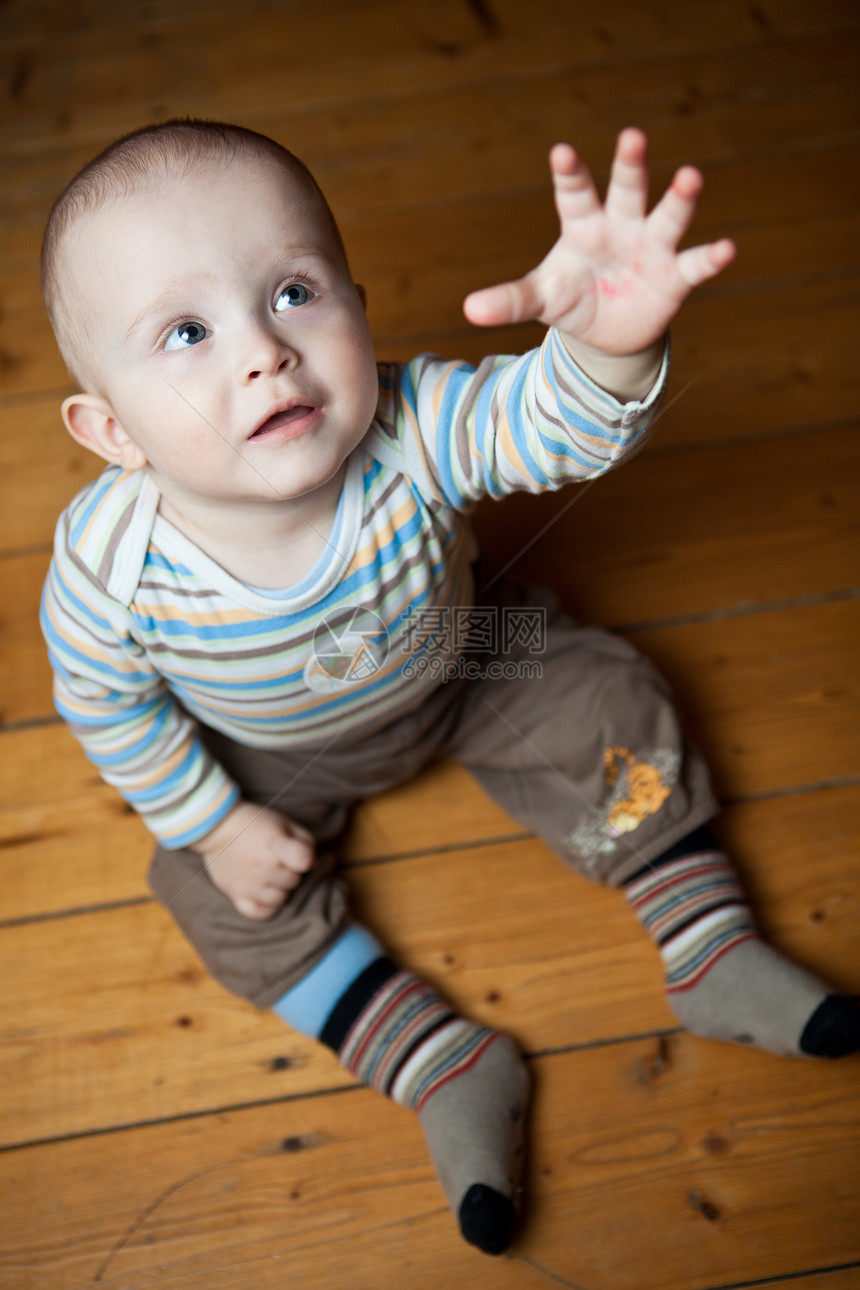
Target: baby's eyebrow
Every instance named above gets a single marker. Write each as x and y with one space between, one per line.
166 302
288 252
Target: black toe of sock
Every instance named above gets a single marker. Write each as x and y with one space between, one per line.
487 1219
833 1030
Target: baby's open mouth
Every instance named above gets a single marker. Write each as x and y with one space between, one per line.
280 419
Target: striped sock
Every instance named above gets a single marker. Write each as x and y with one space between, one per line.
467 1083
722 980
394 1033
693 908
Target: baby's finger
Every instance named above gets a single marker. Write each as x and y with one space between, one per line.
261 909
575 194
509 302
287 878
703 262
673 214
627 194
296 855
299 831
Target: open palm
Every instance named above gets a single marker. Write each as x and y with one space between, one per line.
614 279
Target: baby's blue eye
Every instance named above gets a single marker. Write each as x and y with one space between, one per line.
292 296
186 334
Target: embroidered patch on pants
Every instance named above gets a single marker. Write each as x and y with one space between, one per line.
638 787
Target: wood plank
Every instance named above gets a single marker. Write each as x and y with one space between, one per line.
41 469
70 839
73 843
660 1240
691 533
841 1279
375 157
25 690
201 65
789 214
30 21
132 1029
649 1170
480 242
771 698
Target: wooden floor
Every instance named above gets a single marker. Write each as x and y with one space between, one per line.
158 1132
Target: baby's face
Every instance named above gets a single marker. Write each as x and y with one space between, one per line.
230 342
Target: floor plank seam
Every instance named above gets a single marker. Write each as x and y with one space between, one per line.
783 1277
21 552
609 1041
76 911
101 1131
844 142
804 278
24 397
798 790
745 610
30 723
443 848
656 449
546 1272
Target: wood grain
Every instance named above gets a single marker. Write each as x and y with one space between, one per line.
738 1152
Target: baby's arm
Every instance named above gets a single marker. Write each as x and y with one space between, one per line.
147 746
614 279
256 856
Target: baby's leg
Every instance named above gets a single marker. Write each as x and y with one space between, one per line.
590 754
328 978
468 1084
722 980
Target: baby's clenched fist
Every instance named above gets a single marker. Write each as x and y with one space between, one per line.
257 856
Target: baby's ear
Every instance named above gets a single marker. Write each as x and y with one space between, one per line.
90 420
362 293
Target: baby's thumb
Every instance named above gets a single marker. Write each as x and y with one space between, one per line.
509 302
297 850
251 909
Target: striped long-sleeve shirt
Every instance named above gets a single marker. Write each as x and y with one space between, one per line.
148 636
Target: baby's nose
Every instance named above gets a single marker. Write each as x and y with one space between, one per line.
265 354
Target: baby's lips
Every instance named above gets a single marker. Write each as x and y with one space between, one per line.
282 417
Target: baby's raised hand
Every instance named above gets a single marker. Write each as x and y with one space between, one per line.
257 857
614 279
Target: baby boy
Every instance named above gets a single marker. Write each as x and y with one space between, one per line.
249 612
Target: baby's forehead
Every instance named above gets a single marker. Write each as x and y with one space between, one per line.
144 207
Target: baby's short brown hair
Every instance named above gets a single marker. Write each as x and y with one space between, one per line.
134 161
